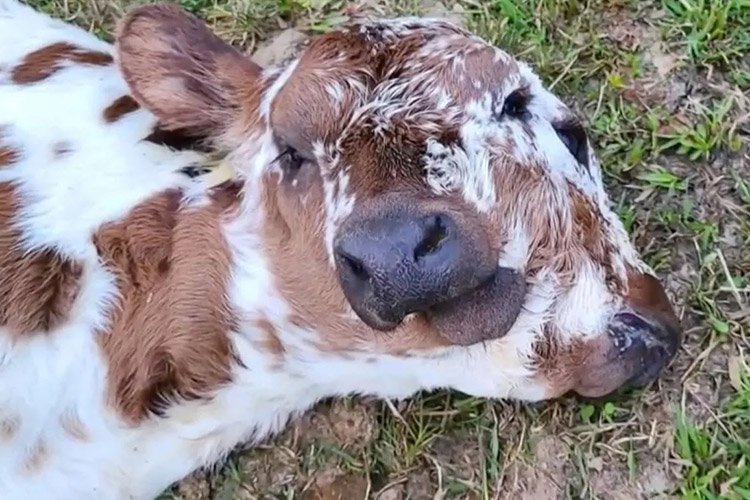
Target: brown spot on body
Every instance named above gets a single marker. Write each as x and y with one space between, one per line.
45 62
36 457
38 287
119 108
73 427
271 341
8 155
170 332
8 428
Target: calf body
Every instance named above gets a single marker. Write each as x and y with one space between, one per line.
151 320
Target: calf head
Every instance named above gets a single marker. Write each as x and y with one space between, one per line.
417 192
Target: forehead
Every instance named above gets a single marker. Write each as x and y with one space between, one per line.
389 91
388 70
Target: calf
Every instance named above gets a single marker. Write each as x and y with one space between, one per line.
408 209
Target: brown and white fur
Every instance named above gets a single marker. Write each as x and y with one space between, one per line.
150 320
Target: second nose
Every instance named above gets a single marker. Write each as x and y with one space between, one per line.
394 265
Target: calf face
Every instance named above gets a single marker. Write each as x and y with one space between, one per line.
417 191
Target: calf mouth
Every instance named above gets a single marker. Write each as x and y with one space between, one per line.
485 313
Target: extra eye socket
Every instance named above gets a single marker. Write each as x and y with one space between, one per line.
572 134
516 105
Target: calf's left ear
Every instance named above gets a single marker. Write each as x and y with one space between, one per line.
178 69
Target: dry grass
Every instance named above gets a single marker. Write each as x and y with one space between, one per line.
664 86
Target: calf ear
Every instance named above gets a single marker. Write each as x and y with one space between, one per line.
181 71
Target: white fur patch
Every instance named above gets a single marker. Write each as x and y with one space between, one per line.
339 203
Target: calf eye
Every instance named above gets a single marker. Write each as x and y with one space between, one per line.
290 160
572 134
516 104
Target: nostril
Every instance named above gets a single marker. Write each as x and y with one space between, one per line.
633 322
435 232
355 266
658 354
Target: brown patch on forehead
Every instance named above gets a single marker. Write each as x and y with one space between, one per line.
119 108
464 68
380 162
170 332
400 81
38 287
332 77
45 62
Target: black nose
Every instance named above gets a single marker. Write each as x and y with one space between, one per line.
650 342
391 266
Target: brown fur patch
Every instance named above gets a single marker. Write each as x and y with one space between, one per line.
8 428
45 62
589 233
8 155
561 235
36 458
37 288
170 331
119 108
271 342
72 425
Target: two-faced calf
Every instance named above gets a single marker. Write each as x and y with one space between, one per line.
410 209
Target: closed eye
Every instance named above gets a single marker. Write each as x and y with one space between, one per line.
572 134
290 160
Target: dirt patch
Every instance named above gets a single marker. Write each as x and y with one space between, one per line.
349 424
195 487
540 477
652 482
329 486
282 47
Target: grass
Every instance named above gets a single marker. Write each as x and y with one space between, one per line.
663 86
716 455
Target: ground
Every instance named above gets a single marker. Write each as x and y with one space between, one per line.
664 87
